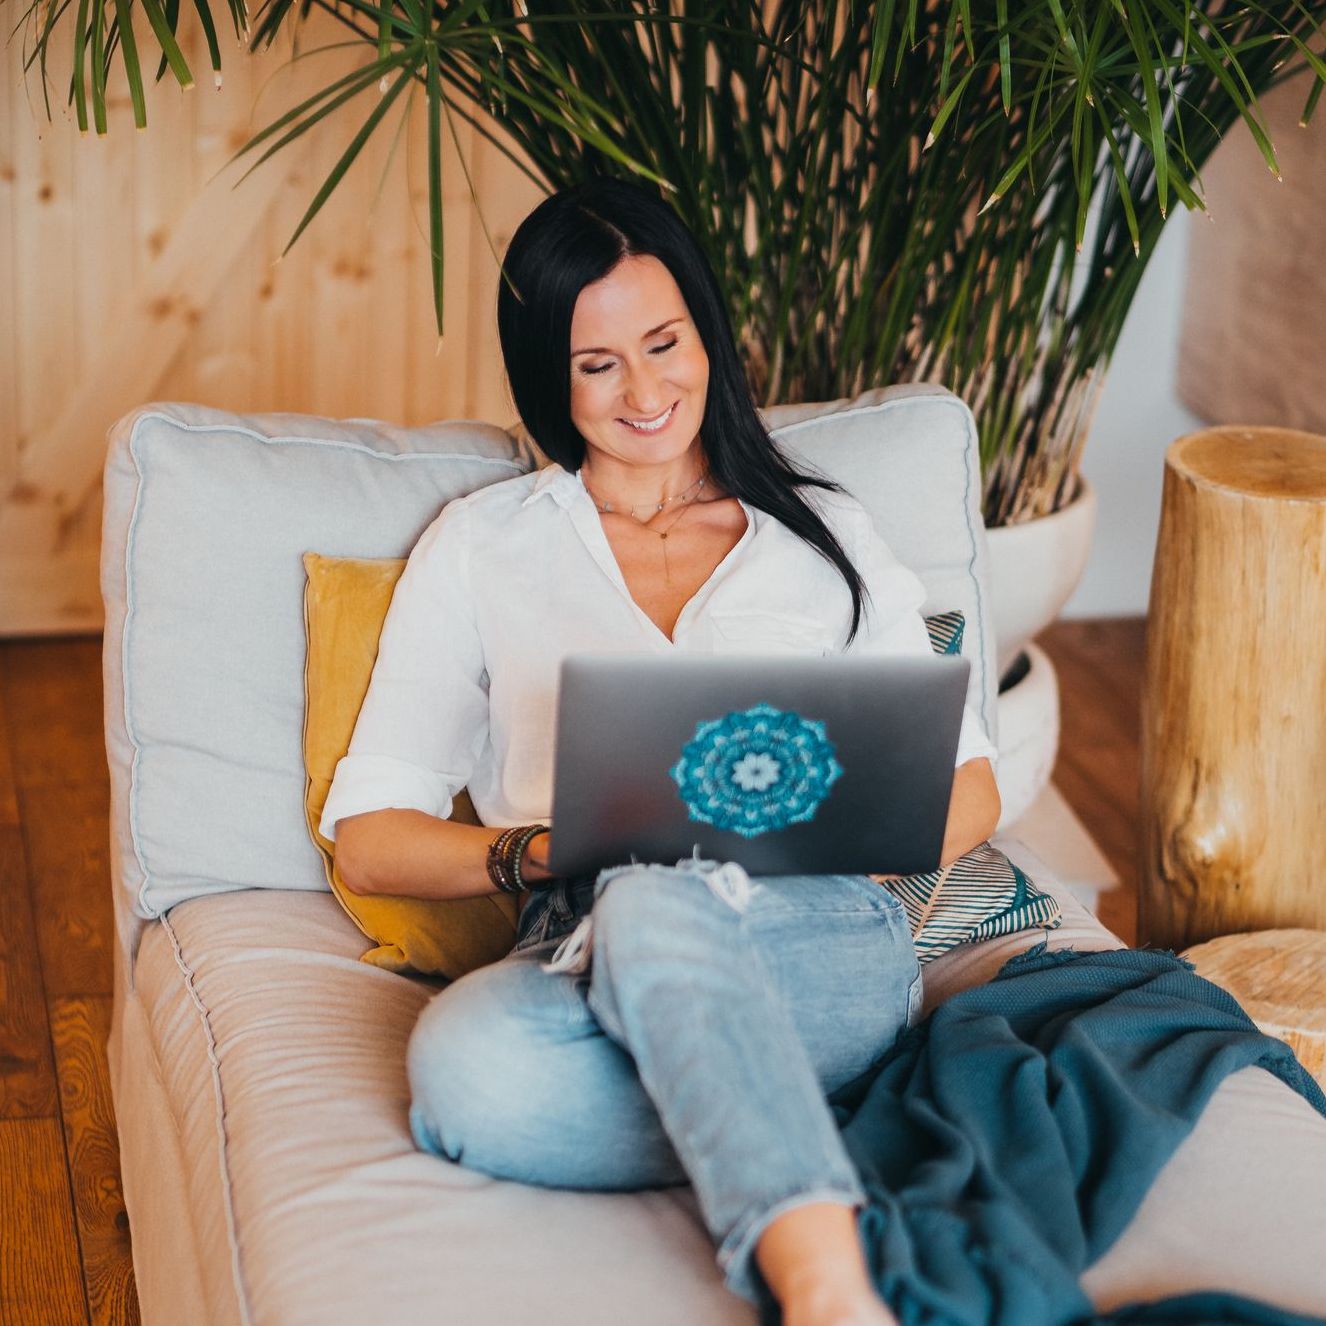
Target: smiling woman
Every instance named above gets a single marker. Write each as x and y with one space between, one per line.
667 519
638 401
636 382
639 412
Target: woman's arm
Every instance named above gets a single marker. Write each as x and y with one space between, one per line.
419 733
973 812
411 854
973 809
894 625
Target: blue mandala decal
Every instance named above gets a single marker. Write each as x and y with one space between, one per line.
757 769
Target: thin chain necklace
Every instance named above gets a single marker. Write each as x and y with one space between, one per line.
698 486
658 506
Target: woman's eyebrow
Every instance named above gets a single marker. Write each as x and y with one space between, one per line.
603 349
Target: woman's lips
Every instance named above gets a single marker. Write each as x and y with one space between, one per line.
658 428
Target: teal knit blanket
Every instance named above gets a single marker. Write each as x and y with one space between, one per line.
1007 1140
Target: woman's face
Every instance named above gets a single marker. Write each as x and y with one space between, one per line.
636 358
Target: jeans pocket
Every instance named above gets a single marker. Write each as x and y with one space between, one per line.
534 921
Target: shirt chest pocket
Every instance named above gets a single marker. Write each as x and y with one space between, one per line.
759 631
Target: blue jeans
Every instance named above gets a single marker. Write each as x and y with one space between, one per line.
718 1013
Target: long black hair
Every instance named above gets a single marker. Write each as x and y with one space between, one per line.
575 237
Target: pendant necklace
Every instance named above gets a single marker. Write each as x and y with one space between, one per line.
697 486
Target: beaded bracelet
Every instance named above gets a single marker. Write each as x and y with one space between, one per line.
516 850
498 871
504 854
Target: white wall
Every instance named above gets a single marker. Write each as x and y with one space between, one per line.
1139 416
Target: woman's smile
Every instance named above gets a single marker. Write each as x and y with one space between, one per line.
655 425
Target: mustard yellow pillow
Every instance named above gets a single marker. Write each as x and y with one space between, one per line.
345 603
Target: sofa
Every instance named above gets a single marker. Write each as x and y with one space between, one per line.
258 1065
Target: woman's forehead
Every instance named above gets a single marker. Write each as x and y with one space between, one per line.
633 300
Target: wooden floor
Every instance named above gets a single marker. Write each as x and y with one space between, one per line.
64 1255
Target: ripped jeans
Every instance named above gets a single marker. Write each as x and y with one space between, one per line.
695 1040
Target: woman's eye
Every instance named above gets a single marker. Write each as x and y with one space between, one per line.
603 368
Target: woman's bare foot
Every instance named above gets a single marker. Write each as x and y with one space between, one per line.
812 1260
824 1302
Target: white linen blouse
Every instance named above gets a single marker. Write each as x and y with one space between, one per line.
508 580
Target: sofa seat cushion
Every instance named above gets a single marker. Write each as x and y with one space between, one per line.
302 1173
283 1058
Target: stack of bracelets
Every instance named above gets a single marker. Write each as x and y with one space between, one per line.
504 854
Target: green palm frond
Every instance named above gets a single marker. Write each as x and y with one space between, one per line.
966 191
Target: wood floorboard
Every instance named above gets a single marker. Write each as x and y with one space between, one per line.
1099 664
52 693
59 1162
27 1073
1097 694
67 829
8 783
39 1267
1112 648
56 945
79 1027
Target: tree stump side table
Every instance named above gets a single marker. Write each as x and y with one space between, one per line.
1279 977
1233 740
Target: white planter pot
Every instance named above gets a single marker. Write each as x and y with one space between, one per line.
1028 715
1034 568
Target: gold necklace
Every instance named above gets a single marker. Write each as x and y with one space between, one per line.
658 506
663 537
663 533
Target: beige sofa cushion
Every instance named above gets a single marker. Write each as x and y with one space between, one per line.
282 1061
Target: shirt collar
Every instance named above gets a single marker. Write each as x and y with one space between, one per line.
563 485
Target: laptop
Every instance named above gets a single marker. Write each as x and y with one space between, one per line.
783 764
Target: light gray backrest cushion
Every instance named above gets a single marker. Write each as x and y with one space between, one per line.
207 515
909 455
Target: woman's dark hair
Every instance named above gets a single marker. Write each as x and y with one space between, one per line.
576 237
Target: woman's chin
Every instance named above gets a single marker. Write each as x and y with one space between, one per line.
615 440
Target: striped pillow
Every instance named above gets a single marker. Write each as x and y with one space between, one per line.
980 895
945 630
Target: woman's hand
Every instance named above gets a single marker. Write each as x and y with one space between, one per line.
534 859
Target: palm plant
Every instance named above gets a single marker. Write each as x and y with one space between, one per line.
965 191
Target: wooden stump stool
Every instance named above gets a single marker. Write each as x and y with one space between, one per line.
1279 977
1233 792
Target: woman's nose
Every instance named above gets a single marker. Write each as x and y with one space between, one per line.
645 393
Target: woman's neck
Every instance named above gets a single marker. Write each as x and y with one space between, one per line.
621 486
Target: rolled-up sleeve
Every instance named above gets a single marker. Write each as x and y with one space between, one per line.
892 623
424 720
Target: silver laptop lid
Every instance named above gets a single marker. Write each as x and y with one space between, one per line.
786 765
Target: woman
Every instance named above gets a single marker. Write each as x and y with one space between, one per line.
700 1043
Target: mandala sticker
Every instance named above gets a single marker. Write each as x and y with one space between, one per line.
755 770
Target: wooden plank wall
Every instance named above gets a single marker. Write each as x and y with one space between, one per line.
132 270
